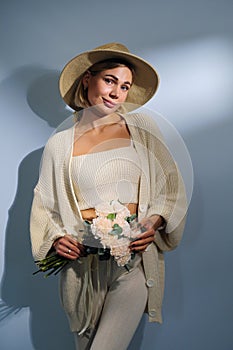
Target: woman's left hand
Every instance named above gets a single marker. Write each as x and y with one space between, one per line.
143 240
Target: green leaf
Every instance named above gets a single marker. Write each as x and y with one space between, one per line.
111 216
117 230
131 218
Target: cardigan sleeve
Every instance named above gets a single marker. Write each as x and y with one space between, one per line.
45 221
168 196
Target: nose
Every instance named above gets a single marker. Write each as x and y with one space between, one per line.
115 92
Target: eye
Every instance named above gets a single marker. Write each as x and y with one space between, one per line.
125 88
109 81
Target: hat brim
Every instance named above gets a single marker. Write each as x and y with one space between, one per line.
146 79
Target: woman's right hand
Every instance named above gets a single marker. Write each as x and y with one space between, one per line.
68 247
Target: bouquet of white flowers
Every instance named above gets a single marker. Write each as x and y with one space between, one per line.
113 227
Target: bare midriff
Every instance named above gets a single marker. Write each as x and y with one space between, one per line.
89 214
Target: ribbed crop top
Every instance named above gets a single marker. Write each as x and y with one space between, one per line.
104 176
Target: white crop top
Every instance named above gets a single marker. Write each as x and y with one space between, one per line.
104 176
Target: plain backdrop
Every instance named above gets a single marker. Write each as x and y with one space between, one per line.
190 44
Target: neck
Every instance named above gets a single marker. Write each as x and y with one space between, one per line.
91 120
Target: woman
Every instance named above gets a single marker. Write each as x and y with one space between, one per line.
108 155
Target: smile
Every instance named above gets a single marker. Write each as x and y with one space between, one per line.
108 103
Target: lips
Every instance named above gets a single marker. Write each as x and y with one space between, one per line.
108 103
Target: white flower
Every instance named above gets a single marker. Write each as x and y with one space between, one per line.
113 230
121 252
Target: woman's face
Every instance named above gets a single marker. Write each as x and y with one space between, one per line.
108 88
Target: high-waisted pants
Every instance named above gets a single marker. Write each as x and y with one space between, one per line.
121 302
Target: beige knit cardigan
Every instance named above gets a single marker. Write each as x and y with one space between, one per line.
55 211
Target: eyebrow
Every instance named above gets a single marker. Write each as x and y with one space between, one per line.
115 78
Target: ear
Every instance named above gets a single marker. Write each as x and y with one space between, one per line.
85 79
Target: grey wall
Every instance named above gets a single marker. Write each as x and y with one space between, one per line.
190 43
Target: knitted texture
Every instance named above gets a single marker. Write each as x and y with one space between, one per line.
55 209
104 176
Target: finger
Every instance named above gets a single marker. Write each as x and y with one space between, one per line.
71 240
140 244
149 233
145 239
70 254
70 243
64 244
67 249
76 246
141 248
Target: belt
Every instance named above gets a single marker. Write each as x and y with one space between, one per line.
103 253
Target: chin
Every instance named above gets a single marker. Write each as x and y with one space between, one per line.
102 110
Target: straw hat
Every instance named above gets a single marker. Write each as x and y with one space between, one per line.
145 83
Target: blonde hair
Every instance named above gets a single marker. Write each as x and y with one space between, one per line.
80 96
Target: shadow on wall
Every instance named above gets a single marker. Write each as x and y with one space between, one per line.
44 99
19 288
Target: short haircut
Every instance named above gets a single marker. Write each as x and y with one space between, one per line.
80 96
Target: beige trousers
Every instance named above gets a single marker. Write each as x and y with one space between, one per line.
123 304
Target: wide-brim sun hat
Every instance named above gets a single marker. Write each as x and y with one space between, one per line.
145 83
